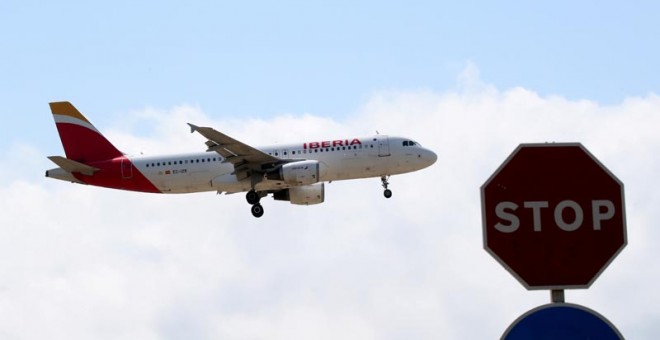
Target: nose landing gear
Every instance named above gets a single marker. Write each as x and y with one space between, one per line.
387 193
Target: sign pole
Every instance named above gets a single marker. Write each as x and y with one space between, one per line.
557 296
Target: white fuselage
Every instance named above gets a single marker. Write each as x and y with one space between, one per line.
339 160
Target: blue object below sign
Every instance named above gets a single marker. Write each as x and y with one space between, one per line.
565 321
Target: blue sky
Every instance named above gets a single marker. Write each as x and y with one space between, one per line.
470 80
260 59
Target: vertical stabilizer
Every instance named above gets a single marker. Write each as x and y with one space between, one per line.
82 142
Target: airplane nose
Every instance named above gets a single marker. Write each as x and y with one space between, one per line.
429 157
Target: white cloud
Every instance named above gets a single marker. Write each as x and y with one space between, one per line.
82 262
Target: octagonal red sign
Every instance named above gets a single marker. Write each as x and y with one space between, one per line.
553 216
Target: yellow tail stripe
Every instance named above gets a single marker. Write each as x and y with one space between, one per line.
66 109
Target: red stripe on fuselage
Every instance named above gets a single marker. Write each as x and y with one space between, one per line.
111 175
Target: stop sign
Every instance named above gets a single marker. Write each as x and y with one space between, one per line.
553 216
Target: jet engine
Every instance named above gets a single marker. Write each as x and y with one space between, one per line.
297 173
303 195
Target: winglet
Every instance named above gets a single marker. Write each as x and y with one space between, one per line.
193 127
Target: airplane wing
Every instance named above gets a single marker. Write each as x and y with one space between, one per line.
242 156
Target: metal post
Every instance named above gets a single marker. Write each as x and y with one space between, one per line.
557 296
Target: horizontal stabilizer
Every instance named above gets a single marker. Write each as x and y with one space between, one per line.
73 166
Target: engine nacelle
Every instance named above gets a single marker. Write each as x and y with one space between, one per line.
304 195
297 173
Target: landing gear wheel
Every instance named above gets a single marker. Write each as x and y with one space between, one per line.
252 197
257 210
387 193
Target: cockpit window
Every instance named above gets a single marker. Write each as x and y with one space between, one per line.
409 143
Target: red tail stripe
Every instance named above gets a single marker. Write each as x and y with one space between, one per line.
84 145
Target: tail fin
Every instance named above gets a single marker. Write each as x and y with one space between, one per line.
80 139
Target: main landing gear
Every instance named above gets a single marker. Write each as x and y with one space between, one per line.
253 198
387 193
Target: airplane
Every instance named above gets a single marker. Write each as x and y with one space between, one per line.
294 172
